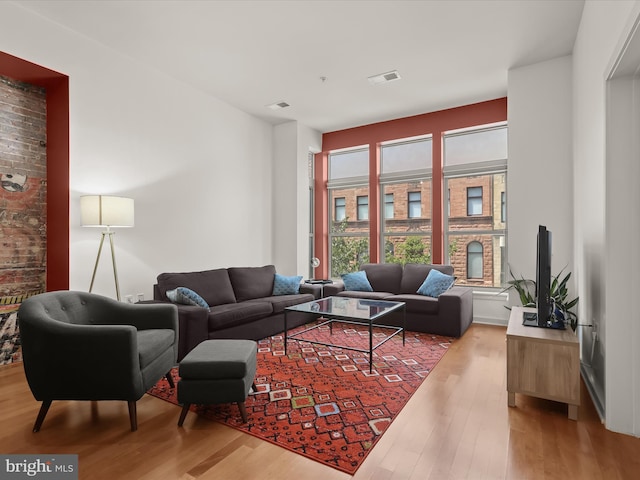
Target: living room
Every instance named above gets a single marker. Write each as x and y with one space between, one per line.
137 131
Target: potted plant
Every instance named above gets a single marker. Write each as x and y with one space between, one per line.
559 293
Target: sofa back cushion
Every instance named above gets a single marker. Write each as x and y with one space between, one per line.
214 286
384 277
252 282
416 273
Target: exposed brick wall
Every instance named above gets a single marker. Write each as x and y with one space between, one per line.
23 234
458 220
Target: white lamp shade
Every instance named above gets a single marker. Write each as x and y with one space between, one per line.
106 211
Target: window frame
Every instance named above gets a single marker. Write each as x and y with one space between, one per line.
360 206
343 207
474 198
346 183
388 205
475 255
497 230
412 203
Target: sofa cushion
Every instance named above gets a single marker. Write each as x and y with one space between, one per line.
415 273
415 303
252 282
384 277
231 314
435 284
357 282
280 302
213 286
283 285
186 296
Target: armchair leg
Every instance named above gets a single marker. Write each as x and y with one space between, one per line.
44 408
243 411
183 414
170 379
133 417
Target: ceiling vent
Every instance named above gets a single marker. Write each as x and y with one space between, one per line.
278 105
384 77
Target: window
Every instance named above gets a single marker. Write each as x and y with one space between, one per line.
474 201
349 194
475 172
405 168
414 205
340 209
388 205
474 260
400 224
363 208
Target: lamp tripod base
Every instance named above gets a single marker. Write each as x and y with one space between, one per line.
113 261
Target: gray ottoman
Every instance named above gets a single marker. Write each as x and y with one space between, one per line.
217 371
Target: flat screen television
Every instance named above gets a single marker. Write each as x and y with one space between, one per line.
544 306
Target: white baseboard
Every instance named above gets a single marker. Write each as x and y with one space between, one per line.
491 321
598 402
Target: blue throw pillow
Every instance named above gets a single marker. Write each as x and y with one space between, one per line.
186 296
435 284
283 285
357 282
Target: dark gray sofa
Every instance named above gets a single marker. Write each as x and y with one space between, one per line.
241 304
449 314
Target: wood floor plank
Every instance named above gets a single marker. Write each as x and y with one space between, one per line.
456 426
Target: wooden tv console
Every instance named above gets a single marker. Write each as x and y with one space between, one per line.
542 362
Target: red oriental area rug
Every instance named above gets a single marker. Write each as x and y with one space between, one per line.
322 402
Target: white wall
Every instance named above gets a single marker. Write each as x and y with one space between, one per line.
539 176
198 169
489 307
285 176
603 204
539 179
292 144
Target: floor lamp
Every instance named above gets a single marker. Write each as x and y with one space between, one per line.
106 211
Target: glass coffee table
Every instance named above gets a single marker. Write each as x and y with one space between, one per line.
355 311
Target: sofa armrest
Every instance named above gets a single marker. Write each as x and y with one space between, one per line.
193 326
313 289
457 303
333 289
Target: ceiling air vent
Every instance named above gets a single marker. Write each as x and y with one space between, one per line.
278 105
384 77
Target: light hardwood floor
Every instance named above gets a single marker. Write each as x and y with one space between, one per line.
456 426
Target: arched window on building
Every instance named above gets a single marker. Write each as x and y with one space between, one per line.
474 260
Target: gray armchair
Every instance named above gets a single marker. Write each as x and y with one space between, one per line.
82 346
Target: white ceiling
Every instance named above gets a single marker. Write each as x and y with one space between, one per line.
254 53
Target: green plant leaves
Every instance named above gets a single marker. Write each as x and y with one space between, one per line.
526 289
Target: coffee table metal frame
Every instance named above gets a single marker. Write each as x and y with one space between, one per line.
322 308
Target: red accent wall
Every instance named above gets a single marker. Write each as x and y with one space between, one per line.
57 88
321 213
434 123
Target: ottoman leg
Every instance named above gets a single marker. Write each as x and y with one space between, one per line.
183 414
243 411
